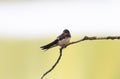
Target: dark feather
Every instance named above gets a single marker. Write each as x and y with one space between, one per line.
52 44
61 37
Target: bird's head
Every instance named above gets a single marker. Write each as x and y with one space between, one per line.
66 32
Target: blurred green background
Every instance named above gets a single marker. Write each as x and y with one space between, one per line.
23 21
23 59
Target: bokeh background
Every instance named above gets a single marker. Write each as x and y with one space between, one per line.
25 25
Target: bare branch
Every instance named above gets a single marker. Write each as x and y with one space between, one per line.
53 65
85 38
95 38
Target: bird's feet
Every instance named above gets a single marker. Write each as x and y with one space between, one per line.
64 46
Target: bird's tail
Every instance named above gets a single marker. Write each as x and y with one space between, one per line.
52 44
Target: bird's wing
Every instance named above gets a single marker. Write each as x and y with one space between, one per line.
52 44
61 37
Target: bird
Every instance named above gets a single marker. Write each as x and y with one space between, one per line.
62 40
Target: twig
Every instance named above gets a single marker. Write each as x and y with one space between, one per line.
53 65
94 38
85 38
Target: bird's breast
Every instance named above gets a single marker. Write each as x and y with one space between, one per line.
64 41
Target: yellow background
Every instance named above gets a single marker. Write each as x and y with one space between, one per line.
23 59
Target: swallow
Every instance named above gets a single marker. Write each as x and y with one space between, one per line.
62 40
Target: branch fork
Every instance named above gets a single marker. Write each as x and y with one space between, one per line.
85 38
